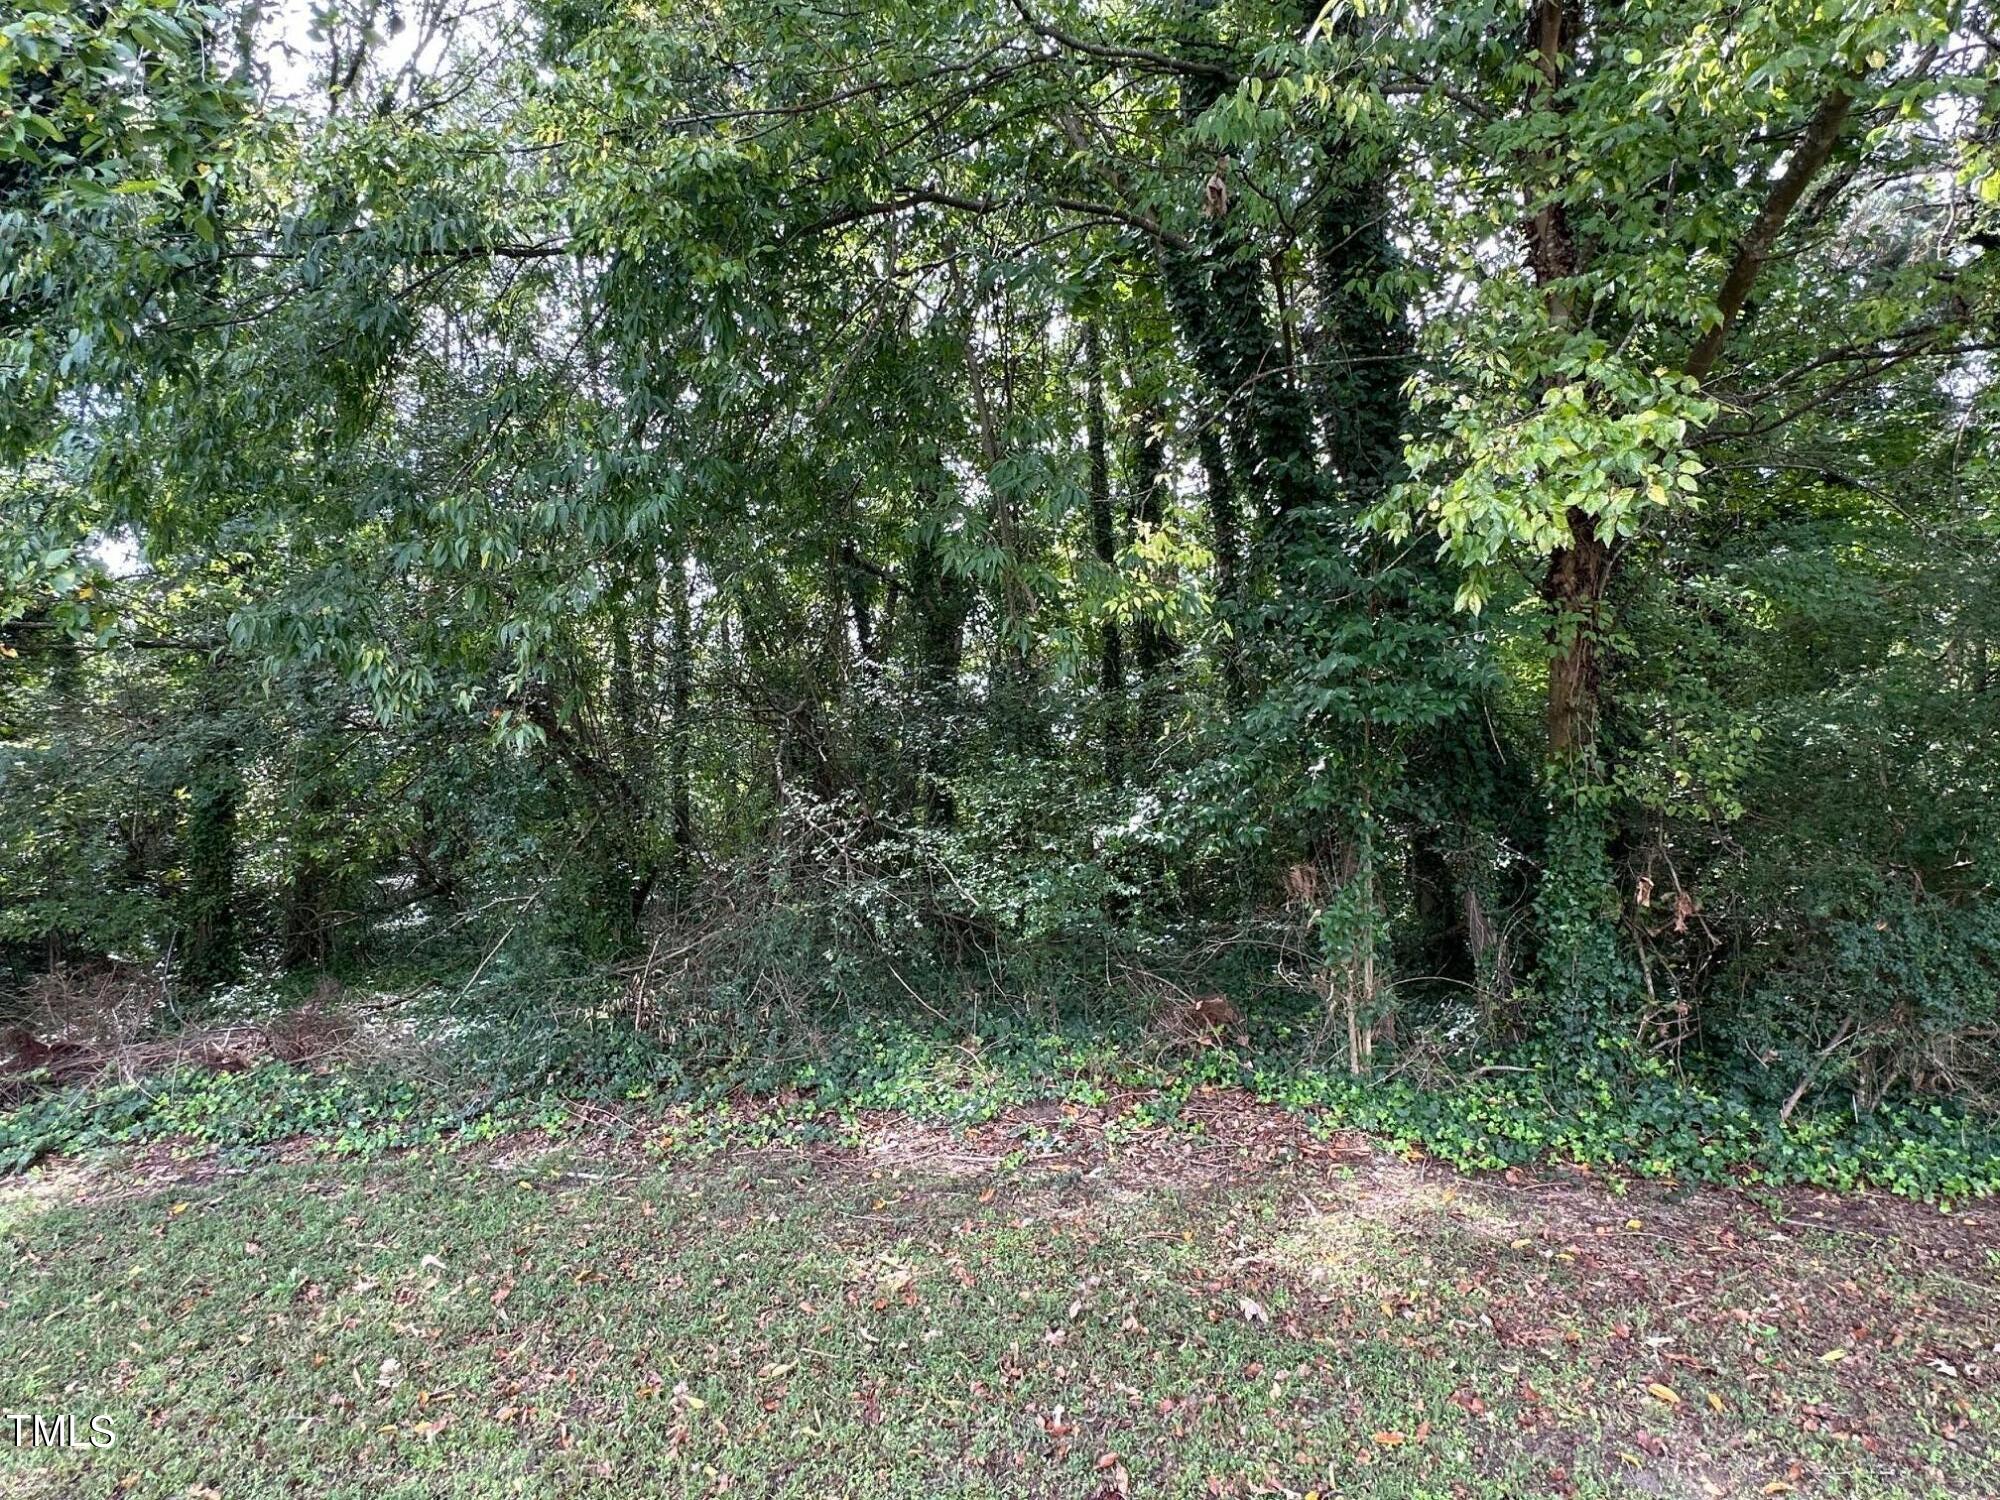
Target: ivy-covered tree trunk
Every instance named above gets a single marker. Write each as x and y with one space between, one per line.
1014 702
1579 571
1218 302
1217 295
940 601
1104 542
630 694
1361 350
310 894
1584 970
210 949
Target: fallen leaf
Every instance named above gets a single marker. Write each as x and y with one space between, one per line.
1253 1310
1664 1393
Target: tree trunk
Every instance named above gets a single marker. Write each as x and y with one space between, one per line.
308 893
1223 524
1574 587
628 695
939 604
1104 541
1579 572
680 681
210 954
1217 298
1153 645
1360 353
1015 700
1218 302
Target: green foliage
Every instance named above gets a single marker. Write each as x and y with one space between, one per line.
228 1111
1875 1004
119 125
1547 1105
1601 439
760 516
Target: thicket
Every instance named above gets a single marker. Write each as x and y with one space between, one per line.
1468 531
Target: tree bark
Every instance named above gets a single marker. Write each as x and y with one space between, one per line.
1360 353
1015 699
1574 586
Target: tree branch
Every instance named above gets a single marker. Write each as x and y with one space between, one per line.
1811 154
1158 62
914 197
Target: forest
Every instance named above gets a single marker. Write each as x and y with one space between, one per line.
888 749
1440 558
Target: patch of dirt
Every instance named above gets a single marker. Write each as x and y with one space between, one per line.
92 1025
1222 1135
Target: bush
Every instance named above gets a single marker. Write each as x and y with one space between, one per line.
1905 997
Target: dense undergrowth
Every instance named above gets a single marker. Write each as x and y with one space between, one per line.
1616 1110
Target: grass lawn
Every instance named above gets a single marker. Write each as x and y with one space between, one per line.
1019 1311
